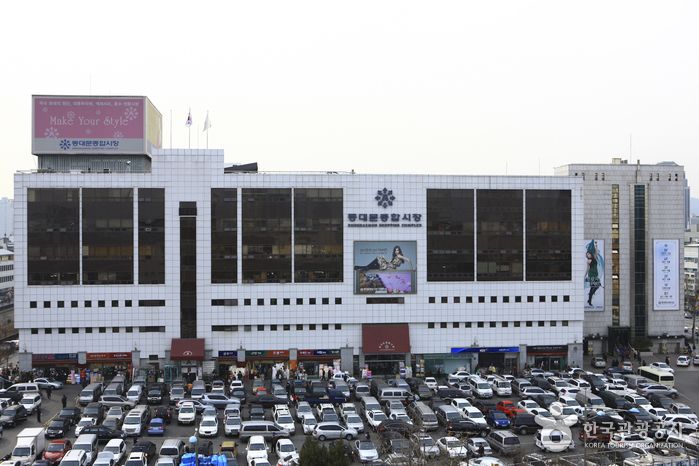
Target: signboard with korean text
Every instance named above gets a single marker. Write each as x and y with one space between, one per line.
666 281
385 267
95 125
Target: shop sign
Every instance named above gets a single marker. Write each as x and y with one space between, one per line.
268 354
384 198
228 354
550 349
319 352
108 356
490 349
55 357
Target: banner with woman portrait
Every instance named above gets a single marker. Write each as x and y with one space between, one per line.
385 267
594 275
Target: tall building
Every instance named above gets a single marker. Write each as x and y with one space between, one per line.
7 293
6 218
168 258
634 235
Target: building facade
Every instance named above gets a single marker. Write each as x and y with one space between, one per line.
7 294
634 238
191 266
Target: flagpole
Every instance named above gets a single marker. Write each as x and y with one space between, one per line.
189 128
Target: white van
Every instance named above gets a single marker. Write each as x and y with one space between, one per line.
74 458
88 444
501 386
134 421
480 387
22 388
135 393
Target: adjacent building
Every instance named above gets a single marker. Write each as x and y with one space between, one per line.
634 226
169 259
7 294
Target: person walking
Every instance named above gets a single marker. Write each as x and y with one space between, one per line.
38 414
64 400
48 392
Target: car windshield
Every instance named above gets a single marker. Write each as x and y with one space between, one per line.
113 449
231 421
545 414
208 422
287 447
453 444
426 441
309 421
8 412
380 417
353 419
177 391
54 447
483 386
132 420
56 424
366 446
284 420
86 422
475 414
256 446
499 415
187 409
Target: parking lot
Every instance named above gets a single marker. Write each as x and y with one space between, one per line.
686 379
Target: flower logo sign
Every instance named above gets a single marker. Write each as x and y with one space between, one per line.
385 197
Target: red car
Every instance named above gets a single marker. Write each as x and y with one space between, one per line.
56 450
509 408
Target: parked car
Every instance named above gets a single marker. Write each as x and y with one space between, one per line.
683 361
56 450
599 362
57 428
45 383
334 430
104 434
365 451
452 447
13 415
156 426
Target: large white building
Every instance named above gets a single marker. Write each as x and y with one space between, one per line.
7 293
171 259
635 215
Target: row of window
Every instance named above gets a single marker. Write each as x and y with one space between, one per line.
9 278
494 299
601 176
101 303
274 328
493 324
62 330
5 268
272 301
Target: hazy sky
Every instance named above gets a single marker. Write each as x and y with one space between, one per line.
488 87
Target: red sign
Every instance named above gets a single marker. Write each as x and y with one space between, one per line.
108 356
385 338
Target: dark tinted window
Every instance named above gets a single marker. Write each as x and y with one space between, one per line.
224 235
548 235
266 235
107 247
500 235
53 236
318 235
449 235
151 235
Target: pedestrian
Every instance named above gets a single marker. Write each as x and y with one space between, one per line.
48 392
667 360
481 450
643 362
322 374
38 414
64 400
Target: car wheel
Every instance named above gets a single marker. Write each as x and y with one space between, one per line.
349 437
321 438
523 431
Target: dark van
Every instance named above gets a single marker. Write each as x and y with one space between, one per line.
524 423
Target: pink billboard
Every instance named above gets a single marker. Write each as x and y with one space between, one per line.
92 125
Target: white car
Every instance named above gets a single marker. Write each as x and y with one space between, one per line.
284 420
484 461
527 405
695 360
474 445
395 407
564 413
135 393
84 422
657 414
334 431
303 409
208 427
354 421
286 452
452 447
365 451
426 444
475 415
31 401
231 425
104 458
375 417
187 414
235 383
347 408
554 440
117 447
683 361
461 375
569 391
627 365
401 417
278 408
662 366
680 422
257 448
431 383
309 423
44 382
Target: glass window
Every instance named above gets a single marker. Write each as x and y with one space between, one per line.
188 275
224 235
500 252
430 324
53 236
151 235
318 230
266 235
449 235
107 243
548 235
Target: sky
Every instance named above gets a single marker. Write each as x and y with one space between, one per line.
490 87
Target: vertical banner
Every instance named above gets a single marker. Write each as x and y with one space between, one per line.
666 282
594 275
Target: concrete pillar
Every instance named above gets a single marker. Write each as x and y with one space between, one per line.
24 361
347 359
522 356
136 359
575 355
361 359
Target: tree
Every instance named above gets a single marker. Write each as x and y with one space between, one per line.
313 453
338 454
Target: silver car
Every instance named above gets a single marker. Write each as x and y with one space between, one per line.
334 431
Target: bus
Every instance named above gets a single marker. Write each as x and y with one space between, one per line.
657 375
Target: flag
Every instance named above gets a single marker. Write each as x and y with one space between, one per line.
207 122
189 119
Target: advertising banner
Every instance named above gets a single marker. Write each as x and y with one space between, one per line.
94 125
594 275
385 267
7 298
666 281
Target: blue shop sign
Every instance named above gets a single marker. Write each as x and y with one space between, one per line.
228 354
490 349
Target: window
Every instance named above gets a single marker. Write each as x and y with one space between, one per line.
517 323
47 331
224 302
311 326
481 299
455 325
566 298
542 299
325 327
247 328
224 328
88 303
151 236
287 301
224 235
529 323
32 304
493 299
151 329
400 300
299 301
554 299
312 301
469 299
100 303
326 301
60 304
299 327
88 329
47 304
504 324
430 300
272 328
115 329
442 325
541 323
430 324
564 323
127 303
151 302
103 329
457 299
62 330
518 299
338 300
247 302
450 235
505 299
481 324
260 301
115 303
35 331
530 299
548 230
467 325
260 328
500 255
444 300
272 301
338 326
552 323
493 324
73 304
287 327
75 330
129 329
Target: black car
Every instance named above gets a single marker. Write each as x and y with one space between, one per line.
267 401
148 448
396 425
239 393
485 406
448 394
57 428
12 415
543 399
113 423
423 392
155 394
459 427
636 416
660 401
104 434
257 413
204 447
72 414
524 424
95 411
164 413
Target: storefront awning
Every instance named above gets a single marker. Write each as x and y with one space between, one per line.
385 338
183 349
